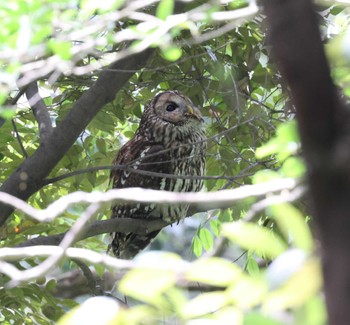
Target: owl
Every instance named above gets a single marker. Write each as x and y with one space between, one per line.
169 140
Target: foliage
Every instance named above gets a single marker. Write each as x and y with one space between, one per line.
252 139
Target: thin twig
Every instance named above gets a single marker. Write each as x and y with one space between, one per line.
25 154
70 237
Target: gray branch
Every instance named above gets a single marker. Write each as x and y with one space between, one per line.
198 202
40 111
142 227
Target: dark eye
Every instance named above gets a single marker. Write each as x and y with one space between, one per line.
171 107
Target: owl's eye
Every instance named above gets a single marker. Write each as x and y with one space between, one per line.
171 107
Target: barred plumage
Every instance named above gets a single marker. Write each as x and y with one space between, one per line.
170 140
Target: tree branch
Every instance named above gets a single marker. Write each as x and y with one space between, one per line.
197 201
138 226
29 176
72 235
15 254
40 111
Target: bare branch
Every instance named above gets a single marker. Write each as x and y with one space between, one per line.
144 227
199 201
40 111
69 238
261 205
15 254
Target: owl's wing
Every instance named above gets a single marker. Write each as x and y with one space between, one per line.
137 155
140 155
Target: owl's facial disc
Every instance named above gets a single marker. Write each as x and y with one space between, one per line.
177 109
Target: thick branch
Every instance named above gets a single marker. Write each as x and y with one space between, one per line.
29 176
40 111
298 49
138 226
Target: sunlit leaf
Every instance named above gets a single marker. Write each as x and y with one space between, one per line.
204 304
172 53
63 49
147 284
214 271
206 238
247 292
293 167
257 318
215 226
253 237
298 289
165 8
197 246
284 144
96 310
292 224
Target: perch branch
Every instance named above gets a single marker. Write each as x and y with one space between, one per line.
198 201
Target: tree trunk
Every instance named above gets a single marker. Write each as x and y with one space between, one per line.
323 125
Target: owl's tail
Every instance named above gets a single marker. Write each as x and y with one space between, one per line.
126 246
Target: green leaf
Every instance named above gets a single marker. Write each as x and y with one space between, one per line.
215 226
51 285
263 176
205 303
197 246
293 167
284 144
299 287
206 238
293 225
62 49
172 53
96 310
253 237
102 6
147 284
214 271
252 267
165 9
247 292
259 319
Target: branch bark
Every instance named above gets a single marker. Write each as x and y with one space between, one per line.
199 202
29 176
40 111
138 226
324 129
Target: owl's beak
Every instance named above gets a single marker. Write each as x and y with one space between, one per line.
194 112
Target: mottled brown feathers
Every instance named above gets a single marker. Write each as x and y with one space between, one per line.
170 140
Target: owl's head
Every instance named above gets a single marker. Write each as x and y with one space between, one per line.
175 108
